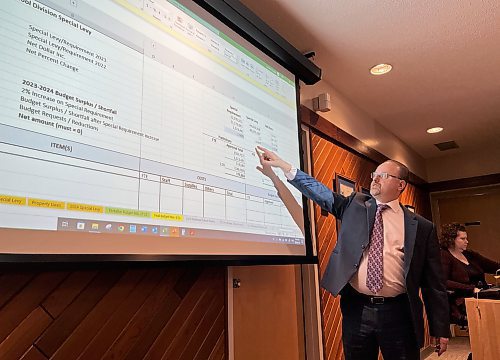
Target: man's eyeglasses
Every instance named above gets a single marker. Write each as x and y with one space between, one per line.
383 175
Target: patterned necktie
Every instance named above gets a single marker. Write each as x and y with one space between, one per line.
375 268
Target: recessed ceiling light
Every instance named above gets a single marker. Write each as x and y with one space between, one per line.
434 130
381 69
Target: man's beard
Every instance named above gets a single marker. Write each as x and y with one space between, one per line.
375 190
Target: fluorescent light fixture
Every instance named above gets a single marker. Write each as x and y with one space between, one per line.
381 69
434 130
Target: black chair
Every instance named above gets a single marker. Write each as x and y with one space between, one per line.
458 313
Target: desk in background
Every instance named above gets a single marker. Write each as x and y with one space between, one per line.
484 328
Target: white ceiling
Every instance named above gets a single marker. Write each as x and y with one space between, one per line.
445 54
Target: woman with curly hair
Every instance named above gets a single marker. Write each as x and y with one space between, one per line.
463 269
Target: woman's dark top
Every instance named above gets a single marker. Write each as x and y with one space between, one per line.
463 277
476 276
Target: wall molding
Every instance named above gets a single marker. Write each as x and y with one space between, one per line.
346 140
463 183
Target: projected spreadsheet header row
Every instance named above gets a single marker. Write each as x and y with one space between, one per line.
185 27
179 19
180 22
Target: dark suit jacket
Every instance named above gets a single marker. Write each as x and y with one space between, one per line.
422 264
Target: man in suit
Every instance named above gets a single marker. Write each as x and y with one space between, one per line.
383 256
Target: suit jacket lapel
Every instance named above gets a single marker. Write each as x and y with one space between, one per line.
371 207
410 233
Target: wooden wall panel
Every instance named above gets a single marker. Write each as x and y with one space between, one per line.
268 318
329 159
175 312
471 205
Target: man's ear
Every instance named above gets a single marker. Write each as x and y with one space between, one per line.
402 185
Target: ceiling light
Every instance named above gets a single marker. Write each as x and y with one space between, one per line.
381 69
434 130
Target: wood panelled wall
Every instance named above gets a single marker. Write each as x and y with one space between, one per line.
329 159
133 312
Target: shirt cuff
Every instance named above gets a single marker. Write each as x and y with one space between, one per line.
290 175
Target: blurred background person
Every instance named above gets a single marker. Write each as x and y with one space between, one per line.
463 269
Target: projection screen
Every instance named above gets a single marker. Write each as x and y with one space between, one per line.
129 127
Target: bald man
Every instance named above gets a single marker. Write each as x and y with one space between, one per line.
384 255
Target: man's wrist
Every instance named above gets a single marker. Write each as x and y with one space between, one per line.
290 175
286 167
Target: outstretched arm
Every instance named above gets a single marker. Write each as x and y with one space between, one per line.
284 193
306 184
489 266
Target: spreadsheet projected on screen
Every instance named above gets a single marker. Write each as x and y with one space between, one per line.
129 127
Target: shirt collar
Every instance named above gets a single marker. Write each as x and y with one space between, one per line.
394 205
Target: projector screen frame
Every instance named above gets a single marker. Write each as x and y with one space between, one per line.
248 25
243 260
309 257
